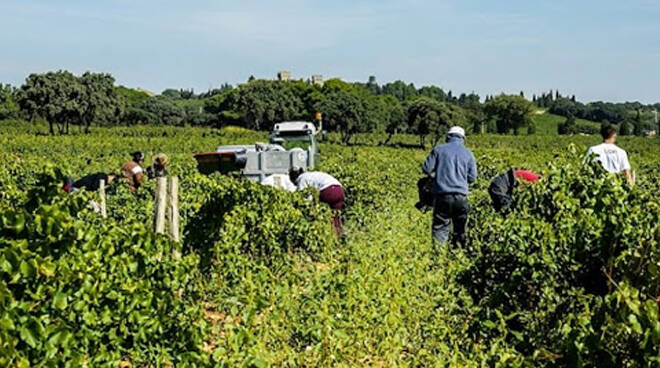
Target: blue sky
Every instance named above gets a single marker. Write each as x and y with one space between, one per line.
597 50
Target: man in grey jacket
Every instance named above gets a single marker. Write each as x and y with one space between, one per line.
453 168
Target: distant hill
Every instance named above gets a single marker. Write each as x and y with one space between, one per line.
133 96
546 123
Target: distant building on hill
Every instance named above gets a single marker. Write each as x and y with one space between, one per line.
285 76
317 79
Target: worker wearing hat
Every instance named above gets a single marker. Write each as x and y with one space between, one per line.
452 168
159 168
132 170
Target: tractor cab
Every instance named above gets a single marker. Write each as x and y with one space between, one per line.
296 134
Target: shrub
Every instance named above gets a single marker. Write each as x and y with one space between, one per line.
72 294
571 277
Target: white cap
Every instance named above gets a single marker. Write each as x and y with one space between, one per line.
457 130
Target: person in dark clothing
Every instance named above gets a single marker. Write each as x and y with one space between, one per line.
159 167
132 170
89 182
68 183
453 168
425 194
501 188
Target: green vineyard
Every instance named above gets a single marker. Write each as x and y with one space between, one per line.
570 279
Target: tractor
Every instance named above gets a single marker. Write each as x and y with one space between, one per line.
291 143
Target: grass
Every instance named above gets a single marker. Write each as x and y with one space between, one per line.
546 123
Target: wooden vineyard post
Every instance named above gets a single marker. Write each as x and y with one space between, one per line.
104 213
167 207
161 204
173 199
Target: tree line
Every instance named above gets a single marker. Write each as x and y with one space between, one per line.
632 118
63 99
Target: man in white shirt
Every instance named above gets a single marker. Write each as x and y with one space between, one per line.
331 190
613 158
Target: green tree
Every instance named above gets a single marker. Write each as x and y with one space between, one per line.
344 111
433 92
262 103
510 112
179 94
138 116
53 96
400 90
448 115
220 106
165 111
491 126
569 126
8 106
99 101
194 113
626 128
131 97
309 94
422 114
638 124
566 107
396 121
372 86
599 111
172 93
474 112
427 116
212 92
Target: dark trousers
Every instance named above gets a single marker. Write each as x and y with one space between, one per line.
334 196
450 209
501 202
